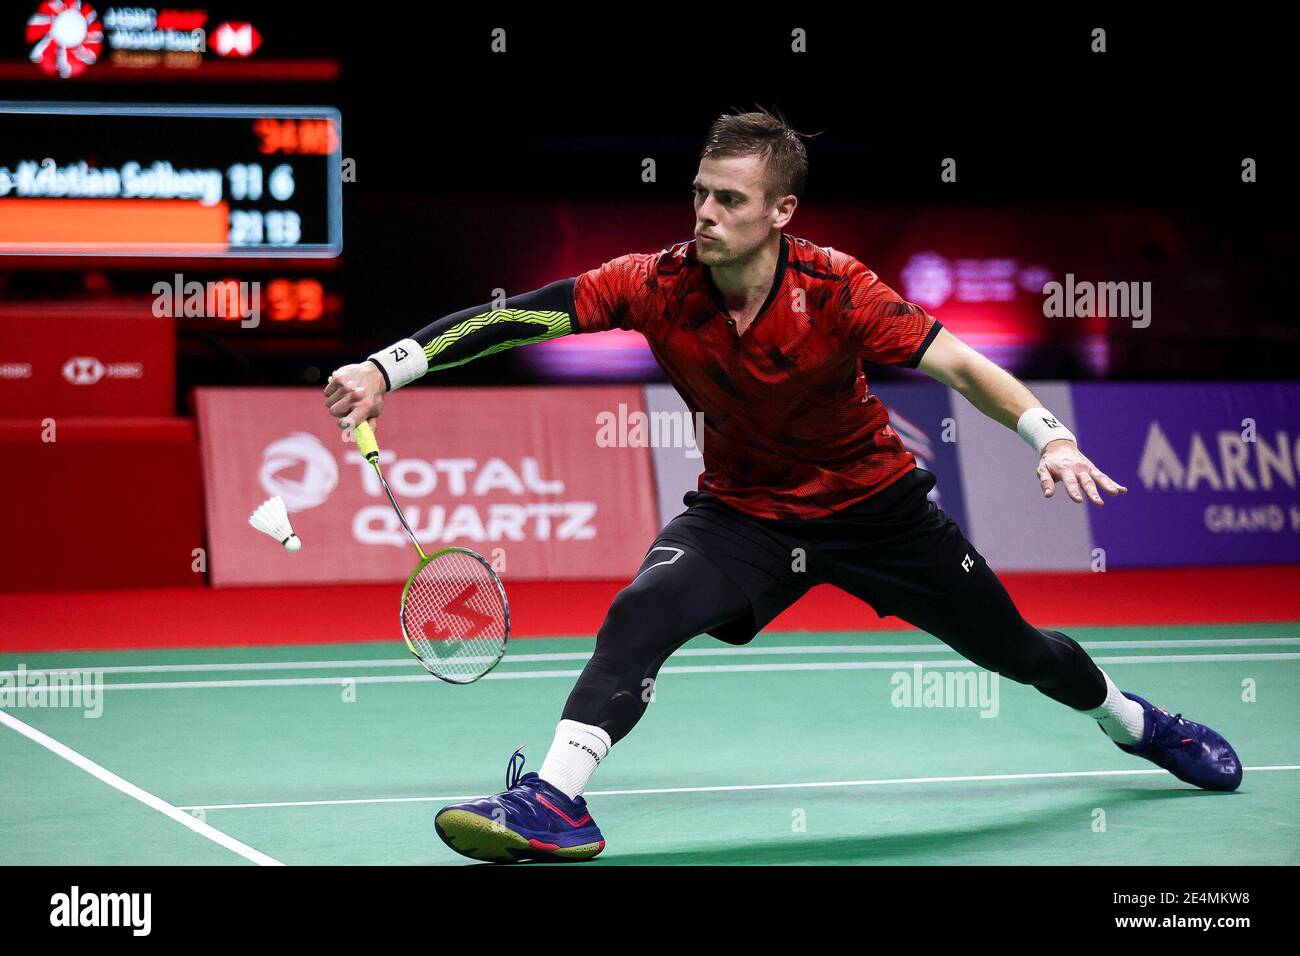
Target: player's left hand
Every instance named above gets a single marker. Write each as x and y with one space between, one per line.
1062 461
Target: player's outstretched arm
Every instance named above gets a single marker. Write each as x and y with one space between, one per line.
355 393
614 295
1004 398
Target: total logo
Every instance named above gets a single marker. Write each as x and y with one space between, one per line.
66 37
300 470
82 370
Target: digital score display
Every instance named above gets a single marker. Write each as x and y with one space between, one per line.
200 299
84 179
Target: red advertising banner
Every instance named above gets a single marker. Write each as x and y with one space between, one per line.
515 474
88 361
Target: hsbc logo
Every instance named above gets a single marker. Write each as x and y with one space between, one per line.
82 370
236 39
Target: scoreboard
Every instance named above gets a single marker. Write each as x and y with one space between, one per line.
108 180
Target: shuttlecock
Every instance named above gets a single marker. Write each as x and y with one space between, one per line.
272 518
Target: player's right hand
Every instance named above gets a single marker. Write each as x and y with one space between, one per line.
355 393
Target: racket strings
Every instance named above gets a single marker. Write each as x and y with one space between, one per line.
454 617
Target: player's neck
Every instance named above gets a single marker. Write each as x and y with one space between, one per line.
748 281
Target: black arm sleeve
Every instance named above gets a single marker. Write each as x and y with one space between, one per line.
483 330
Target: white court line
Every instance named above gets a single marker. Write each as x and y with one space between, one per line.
701 669
698 669
131 790
793 651
733 788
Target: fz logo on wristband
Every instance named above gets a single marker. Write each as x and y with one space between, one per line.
1051 423
399 353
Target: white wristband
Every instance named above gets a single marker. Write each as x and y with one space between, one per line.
1038 426
403 362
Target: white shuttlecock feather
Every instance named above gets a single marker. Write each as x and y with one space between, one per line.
272 518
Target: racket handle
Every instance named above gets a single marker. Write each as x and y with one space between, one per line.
366 444
365 436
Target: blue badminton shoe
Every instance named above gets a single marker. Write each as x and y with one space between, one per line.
531 820
1190 751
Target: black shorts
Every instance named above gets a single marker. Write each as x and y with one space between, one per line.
898 551
715 570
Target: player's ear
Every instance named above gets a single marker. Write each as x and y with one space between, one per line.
783 210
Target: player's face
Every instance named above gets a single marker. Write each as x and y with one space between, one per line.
733 215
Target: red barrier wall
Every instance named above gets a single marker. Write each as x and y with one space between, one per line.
109 503
89 360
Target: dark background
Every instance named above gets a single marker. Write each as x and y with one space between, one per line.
463 156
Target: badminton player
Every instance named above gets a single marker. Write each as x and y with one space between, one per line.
764 335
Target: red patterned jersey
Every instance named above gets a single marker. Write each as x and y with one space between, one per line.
790 427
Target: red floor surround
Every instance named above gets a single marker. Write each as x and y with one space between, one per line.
208 617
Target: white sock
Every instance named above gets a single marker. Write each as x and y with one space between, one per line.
1121 718
575 753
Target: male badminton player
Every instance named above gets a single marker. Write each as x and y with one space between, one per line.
765 335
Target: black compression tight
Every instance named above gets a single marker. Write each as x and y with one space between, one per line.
677 596
981 623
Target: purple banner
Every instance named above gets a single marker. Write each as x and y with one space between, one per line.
921 413
1211 468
